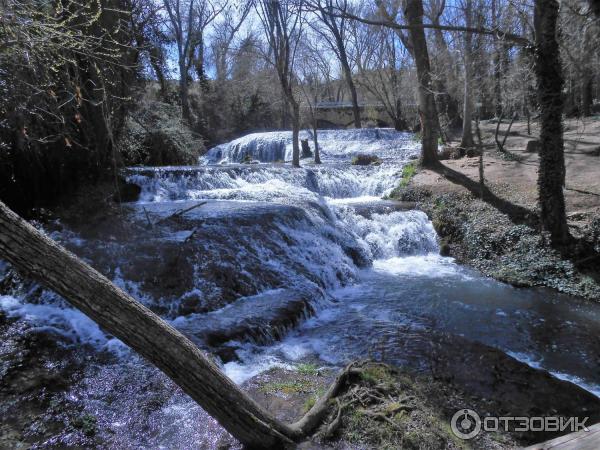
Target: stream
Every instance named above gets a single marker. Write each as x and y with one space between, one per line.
268 266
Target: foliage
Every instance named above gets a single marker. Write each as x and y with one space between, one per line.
308 369
65 74
408 171
155 134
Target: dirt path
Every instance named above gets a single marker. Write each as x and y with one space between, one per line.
516 180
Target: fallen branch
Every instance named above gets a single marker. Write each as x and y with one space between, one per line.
180 212
38 257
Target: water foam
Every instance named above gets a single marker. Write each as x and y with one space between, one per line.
333 144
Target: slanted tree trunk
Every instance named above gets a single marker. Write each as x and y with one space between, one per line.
427 109
353 94
40 258
550 81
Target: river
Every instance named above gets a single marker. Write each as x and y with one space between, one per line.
266 266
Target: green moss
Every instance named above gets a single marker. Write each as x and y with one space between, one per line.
377 375
86 423
308 369
310 402
366 160
287 387
408 171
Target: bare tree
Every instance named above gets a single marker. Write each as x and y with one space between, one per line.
332 15
380 71
181 25
413 13
446 76
281 20
206 11
233 18
550 81
467 130
315 71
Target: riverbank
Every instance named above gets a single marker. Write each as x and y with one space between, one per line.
498 235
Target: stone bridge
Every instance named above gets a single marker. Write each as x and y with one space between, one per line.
340 115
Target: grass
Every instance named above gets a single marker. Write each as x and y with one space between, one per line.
310 401
287 387
376 375
308 369
408 171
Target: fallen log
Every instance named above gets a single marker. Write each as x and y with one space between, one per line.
38 257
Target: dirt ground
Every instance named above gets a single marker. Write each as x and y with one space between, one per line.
515 180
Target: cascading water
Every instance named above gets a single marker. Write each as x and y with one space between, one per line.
265 265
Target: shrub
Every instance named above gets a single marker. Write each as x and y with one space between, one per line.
156 135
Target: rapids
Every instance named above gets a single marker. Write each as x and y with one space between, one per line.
279 266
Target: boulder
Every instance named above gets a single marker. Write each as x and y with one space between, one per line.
365 160
306 152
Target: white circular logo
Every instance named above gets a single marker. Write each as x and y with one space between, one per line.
466 424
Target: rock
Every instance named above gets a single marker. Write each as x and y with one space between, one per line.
306 152
365 160
595 151
533 146
449 153
473 152
127 192
445 249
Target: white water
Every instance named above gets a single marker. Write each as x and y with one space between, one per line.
334 145
299 230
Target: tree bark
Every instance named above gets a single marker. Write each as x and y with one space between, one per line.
40 258
467 131
295 131
550 81
329 18
497 65
184 92
587 93
316 139
353 94
427 109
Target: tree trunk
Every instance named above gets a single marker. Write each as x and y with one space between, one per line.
448 105
316 140
40 258
551 177
497 65
427 109
352 89
183 92
467 131
156 61
295 132
587 94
